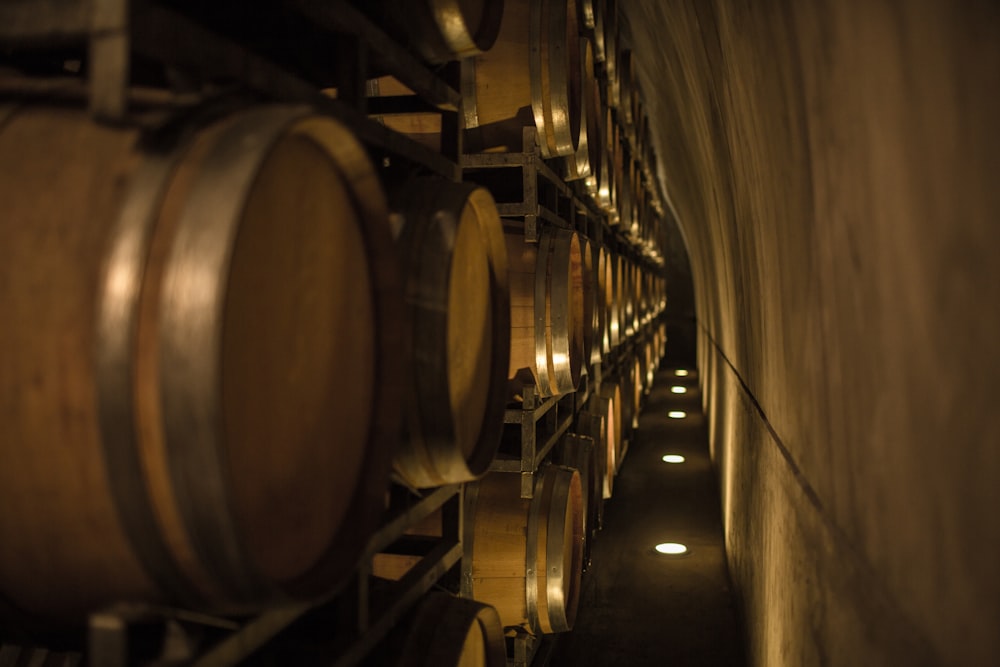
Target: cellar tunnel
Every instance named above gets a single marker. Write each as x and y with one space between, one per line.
833 170
809 233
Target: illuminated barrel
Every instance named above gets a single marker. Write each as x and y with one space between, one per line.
580 453
604 198
442 31
199 351
597 263
606 298
651 362
611 51
453 632
530 76
599 12
593 423
637 383
609 406
527 553
621 264
586 161
454 258
546 311
587 300
627 91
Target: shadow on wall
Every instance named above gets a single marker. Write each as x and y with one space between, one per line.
681 324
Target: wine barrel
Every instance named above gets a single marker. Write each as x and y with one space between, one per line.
595 140
198 347
527 553
579 452
531 75
633 294
605 197
626 89
599 12
623 193
587 302
544 288
592 423
453 632
441 31
588 18
650 364
585 163
454 261
597 267
611 33
609 405
615 330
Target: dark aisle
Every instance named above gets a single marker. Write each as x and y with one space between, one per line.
640 608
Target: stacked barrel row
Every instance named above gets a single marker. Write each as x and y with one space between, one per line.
585 297
228 333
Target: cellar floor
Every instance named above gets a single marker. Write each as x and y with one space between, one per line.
638 607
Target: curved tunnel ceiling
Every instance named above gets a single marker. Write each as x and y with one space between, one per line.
833 167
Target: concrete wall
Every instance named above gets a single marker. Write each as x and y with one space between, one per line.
835 169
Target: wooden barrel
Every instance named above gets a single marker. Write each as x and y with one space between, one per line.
595 139
599 11
630 297
441 31
580 453
634 185
606 180
544 280
661 337
588 310
611 53
527 553
200 340
585 162
453 632
609 405
598 262
592 423
652 343
620 295
637 384
454 261
623 193
615 331
531 75
588 12
626 89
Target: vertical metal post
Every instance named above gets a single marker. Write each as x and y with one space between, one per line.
109 59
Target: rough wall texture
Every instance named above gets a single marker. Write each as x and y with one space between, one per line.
835 169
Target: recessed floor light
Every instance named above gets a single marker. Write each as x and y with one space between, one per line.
673 458
677 389
672 548
681 373
677 414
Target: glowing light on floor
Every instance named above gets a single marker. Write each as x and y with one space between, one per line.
677 414
677 389
672 548
681 373
673 458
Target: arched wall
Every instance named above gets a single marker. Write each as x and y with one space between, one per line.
835 170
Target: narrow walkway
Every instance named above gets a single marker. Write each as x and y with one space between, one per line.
639 608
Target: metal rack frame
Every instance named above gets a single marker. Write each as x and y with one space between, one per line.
111 31
367 614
